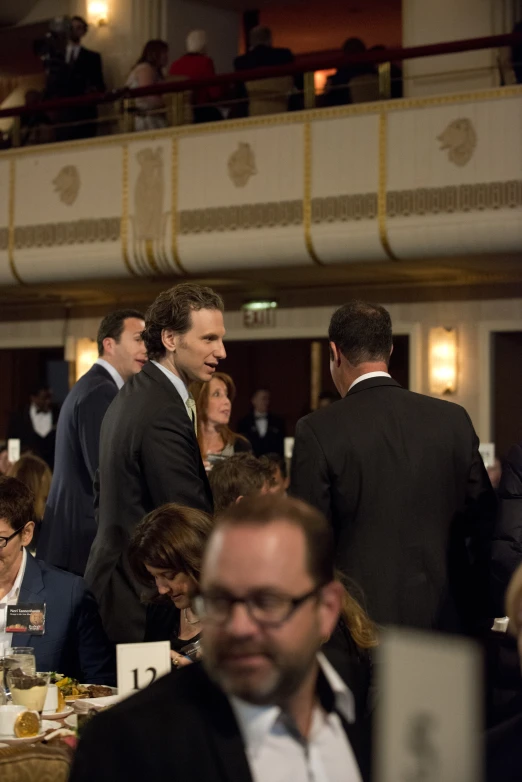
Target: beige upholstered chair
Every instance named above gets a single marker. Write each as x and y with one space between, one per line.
35 763
365 88
269 96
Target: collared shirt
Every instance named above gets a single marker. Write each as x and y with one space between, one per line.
181 388
112 372
11 599
277 753
261 423
367 376
72 52
42 422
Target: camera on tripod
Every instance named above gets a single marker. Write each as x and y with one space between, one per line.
52 47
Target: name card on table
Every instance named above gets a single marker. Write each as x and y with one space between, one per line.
138 665
429 709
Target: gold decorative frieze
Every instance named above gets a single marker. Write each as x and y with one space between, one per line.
241 218
344 208
4 238
458 198
102 229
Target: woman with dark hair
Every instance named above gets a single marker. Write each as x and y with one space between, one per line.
213 408
165 555
36 474
149 70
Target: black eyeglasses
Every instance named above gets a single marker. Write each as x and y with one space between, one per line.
5 541
268 609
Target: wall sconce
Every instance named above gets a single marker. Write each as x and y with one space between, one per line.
443 361
98 12
86 355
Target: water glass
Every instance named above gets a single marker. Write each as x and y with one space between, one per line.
25 659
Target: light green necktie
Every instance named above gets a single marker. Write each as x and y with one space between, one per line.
191 409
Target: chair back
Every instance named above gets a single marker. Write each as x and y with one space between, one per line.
269 96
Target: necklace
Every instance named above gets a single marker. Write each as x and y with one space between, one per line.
187 620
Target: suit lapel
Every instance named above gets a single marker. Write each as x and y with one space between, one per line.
30 592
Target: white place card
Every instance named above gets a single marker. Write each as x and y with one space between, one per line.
13 451
138 665
429 710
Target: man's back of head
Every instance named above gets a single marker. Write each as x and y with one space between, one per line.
120 341
260 36
238 476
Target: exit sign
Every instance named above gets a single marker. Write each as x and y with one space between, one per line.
259 319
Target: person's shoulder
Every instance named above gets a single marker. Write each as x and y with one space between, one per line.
241 62
442 407
61 579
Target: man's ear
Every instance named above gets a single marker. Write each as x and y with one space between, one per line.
168 338
238 499
335 354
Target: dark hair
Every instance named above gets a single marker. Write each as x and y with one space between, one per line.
36 474
16 502
173 310
239 475
320 550
362 332
274 460
152 51
172 537
201 393
82 20
113 324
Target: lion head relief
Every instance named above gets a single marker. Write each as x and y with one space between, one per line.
460 139
67 184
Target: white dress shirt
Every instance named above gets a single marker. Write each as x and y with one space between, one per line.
11 599
277 753
72 52
42 422
181 388
367 376
112 372
261 423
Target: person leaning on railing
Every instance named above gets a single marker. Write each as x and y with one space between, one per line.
196 64
149 70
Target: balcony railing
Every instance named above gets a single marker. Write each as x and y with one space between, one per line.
119 108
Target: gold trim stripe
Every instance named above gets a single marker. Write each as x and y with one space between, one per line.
174 205
307 196
11 227
381 196
125 211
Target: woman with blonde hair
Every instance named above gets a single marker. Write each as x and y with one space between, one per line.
149 70
213 407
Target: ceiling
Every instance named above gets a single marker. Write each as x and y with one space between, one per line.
481 277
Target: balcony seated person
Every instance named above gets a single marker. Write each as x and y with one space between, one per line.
266 96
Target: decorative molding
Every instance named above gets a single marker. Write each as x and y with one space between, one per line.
67 184
247 216
479 197
4 239
11 229
382 210
460 139
307 195
124 221
174 217
344 208
102 229
242 165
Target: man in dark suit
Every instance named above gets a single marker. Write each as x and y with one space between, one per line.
149 454
268 601
261 53
265 432
35 426
401 480
82 73
73 641
68 527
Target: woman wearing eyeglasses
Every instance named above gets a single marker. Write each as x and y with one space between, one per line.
165 555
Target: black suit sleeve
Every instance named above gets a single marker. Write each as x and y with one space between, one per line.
109 751
506 550
90 417
96 654
172 462
310 480
97 73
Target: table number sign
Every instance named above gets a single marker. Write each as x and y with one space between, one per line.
139 665
13 451
429 716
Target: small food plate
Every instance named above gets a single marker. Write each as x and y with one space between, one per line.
12 740
59 715
86 704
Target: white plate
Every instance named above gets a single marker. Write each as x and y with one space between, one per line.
10 740
59 715
71 699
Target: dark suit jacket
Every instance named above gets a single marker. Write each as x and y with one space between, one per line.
263 57
272 442
81 77
182 727
400 478
74 642
68 528
506 553
21 428
149 455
